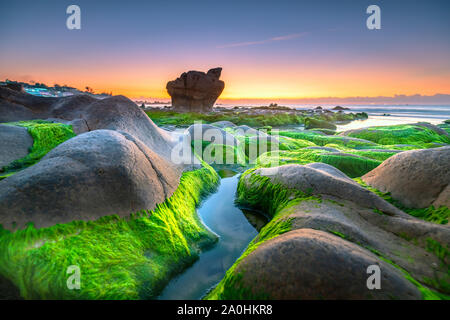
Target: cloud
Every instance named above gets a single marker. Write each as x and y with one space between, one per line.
274 39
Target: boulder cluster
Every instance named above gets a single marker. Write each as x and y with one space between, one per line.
118 163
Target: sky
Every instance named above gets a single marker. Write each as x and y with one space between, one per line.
269 50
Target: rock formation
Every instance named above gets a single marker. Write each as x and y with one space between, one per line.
122 165
195 90
321 242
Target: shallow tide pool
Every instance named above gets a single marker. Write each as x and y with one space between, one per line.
220 215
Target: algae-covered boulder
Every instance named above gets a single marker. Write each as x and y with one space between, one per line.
320 178
311 123
94 174
417 178
15 143
419 134
324 234
312 264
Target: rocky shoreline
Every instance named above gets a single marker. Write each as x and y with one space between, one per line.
99 188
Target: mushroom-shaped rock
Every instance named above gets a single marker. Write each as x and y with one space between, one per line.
195 90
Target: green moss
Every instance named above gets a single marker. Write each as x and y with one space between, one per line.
353 166
379 156
46 136
254 120
311 123
437 215
322 140
119 258
401 134
213 153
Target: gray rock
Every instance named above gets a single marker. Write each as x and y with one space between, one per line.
98 173
211 133
311 264
15 143
416 178
79 126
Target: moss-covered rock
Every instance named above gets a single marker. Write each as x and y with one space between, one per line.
119 258
416 134
311 123
45 136
287 247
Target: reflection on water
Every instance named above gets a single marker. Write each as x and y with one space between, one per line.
220 214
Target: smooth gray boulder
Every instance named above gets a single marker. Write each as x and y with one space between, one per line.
416 178
311 264
15 143
98 173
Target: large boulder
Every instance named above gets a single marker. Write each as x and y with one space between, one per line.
416 178
195 90
15 143
311 264
98 173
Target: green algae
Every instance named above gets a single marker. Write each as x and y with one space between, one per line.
213 153
119 258
351 165
311 123
401 134
162 118
437 215
276 119
46 136
322 140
